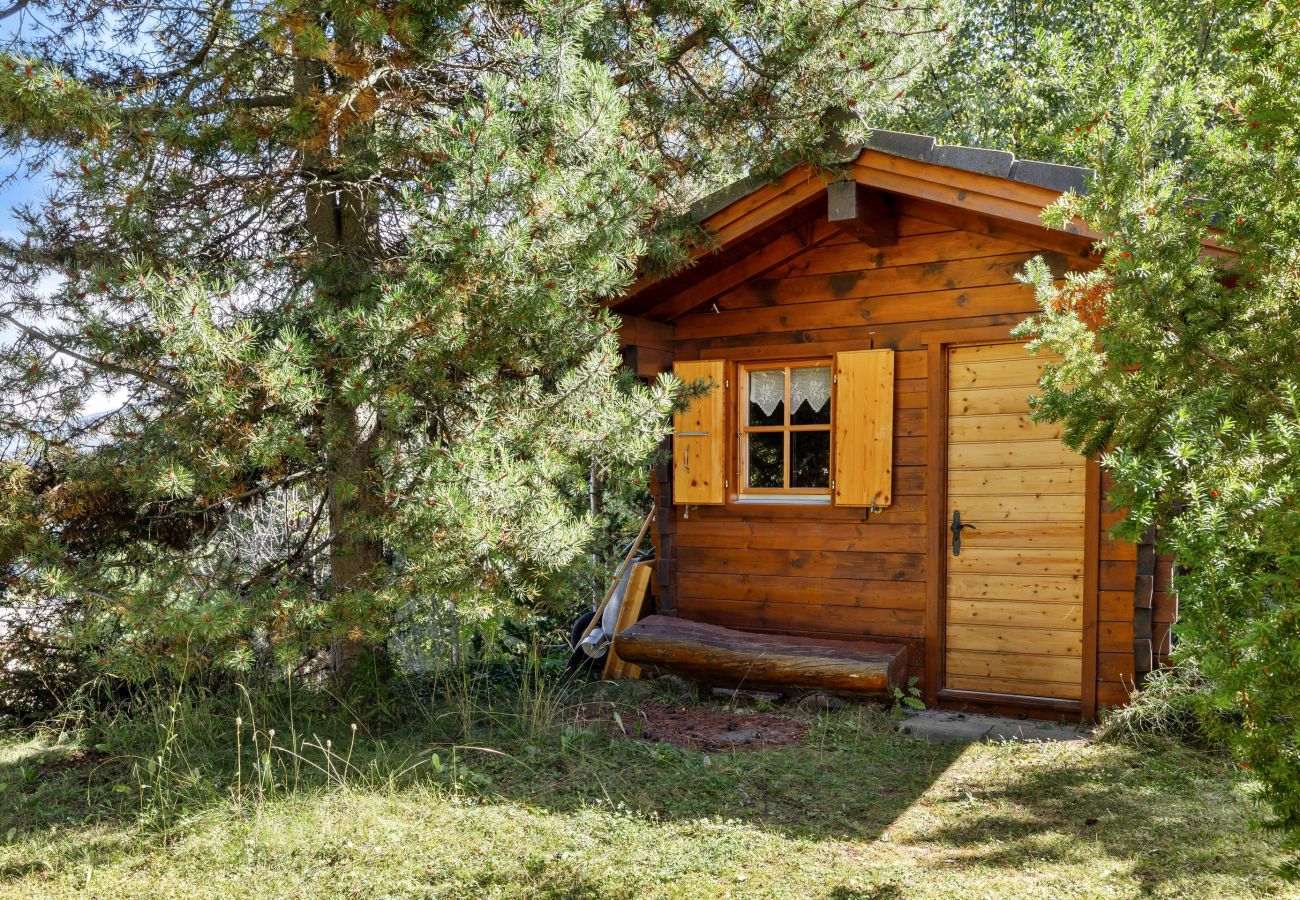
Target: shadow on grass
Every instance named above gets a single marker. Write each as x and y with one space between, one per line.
1160 814
850 780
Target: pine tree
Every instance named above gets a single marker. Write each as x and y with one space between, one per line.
353 253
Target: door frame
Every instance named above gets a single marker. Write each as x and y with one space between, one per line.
937 344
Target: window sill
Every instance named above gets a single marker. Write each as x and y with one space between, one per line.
784 500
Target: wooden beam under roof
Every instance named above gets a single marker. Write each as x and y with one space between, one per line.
862 212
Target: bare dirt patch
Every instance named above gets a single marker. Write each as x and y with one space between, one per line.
72 760
707 728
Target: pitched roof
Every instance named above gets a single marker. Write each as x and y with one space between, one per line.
926 149
966 187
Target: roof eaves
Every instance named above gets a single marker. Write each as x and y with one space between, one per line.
923 148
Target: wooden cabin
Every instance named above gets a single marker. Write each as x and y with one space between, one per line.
864 470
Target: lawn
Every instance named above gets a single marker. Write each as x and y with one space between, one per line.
568 806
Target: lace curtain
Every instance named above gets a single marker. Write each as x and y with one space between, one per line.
767 389
811 385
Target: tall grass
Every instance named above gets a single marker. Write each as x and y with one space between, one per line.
189 751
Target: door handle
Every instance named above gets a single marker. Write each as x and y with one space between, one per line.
957 527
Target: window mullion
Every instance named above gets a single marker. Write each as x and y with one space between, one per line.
786 436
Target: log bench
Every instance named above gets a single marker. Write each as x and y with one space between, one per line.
717 654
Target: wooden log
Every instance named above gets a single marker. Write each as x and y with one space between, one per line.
714 653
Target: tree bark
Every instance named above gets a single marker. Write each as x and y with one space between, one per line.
356 557
341 220
729 656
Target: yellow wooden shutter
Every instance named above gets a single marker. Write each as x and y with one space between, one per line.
864 427
699 445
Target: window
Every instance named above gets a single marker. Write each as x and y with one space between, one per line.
809 432
785 428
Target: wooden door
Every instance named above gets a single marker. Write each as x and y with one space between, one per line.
1014 593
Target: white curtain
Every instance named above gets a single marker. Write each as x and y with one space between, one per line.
812 386
767 389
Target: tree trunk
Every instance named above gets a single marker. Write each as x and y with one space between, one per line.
342 221
356 556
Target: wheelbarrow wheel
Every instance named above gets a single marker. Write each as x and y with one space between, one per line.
578 660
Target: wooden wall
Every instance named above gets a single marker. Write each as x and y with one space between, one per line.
1116 670
835 572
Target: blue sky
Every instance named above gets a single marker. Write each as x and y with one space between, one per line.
22 189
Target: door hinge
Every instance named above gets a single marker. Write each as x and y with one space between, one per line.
726 383
726 482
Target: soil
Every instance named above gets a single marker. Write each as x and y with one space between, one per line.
73 760
706 728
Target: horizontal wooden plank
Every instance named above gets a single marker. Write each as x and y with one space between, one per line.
855 620
1016 561
1014 666
1120 576
823 564
911 364
1009 482
1115 637
981 353
988 401
853 255
1113 548
1001 427
1023 454
906 509
910 422
900 336
1057 589
909 480
1027 508
862 283
1117 606
1008 686
996 373
908 595
857 536
917 399
1115 666
1030 535
1015 613
1112 694
878 310
1057 642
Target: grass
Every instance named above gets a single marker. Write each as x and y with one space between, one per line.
556 804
